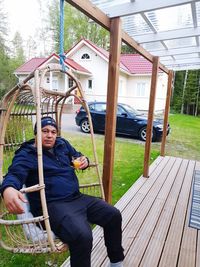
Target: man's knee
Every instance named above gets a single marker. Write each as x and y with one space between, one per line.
116 216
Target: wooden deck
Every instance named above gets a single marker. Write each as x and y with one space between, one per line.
155 213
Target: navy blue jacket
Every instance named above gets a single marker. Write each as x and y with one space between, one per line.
60 179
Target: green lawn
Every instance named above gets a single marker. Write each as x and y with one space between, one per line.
183 141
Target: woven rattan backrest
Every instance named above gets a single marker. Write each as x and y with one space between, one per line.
20 109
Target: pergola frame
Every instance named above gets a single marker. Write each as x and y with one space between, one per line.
117 36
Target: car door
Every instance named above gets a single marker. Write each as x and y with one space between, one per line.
98 116
126 123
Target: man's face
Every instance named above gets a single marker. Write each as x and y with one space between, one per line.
49 134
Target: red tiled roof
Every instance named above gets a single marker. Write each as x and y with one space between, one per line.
70 62
34 63
31 65
136 64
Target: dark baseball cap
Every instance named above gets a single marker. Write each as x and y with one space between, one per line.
46 121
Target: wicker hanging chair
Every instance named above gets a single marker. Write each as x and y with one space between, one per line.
21 107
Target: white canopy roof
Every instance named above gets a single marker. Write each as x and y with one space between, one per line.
169 29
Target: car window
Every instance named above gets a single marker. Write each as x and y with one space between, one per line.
91 107
120 110
131 110
100 107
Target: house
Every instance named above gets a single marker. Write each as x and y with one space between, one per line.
89 63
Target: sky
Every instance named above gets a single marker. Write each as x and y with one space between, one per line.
25 17
22 16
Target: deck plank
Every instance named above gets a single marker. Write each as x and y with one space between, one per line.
187 255
198 251
157 165
198 232
156 243
172 244
136 208
138 248
155 213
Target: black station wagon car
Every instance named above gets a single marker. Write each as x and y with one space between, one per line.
129 121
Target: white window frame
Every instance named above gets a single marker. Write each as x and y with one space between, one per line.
70 82
121 88
85 59
140 89
55 84
90 87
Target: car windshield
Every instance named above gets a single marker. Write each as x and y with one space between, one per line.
131 110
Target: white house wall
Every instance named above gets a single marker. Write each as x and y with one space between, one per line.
127 92
161 91
129 85
99 69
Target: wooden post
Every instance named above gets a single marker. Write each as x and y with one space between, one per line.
166 115
112 94
150 116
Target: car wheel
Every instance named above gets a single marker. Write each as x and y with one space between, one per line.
85 126
142 134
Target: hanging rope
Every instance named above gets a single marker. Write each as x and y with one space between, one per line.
62 55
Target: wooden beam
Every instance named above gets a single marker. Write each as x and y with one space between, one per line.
101 18
166 115
149 129
112 94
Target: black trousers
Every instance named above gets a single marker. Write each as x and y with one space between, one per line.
70 221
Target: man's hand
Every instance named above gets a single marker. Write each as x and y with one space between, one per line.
83 163
12 199
80 163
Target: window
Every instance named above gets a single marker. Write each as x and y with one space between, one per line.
55 84
100 107
70 83
121 88
85 56
140 90
89 84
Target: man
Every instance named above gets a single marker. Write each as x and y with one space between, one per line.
70 212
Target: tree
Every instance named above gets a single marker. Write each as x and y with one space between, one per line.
186 95
31 47
44 32
192 91
10 58
197 98
76 26
176 101
3 28
4 59
18 51
183 95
